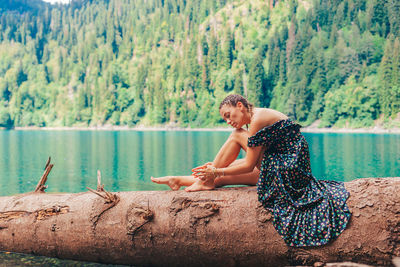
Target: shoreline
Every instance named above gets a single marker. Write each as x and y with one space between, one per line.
308 129
374 130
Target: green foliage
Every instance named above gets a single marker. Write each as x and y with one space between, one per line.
355 102
5 119
257 85
153 62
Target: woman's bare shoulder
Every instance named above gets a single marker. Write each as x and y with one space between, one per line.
264 117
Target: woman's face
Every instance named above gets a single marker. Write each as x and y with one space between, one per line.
233 115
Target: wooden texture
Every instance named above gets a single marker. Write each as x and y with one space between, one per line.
225 227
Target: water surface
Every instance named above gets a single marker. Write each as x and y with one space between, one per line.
127 159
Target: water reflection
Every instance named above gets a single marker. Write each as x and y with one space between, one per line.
128 158
344 157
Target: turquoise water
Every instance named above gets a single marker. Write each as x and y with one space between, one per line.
127 159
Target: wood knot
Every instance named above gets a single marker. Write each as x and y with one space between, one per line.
53 227
263 215
137 216
109 198
145 214
178 204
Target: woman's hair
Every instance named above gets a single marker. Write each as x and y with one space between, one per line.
232 100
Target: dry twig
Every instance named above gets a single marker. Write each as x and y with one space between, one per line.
41 185
101 192
100 187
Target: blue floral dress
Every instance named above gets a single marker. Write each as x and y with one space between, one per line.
306 211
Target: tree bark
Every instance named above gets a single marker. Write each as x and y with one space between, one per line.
221 227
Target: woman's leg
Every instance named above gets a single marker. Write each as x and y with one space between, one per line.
225 156
175 182
250 178
230 150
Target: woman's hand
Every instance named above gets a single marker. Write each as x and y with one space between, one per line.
205 172
194 170
203 166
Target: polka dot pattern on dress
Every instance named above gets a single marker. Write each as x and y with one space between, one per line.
307 211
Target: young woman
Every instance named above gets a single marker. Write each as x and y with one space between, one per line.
307 212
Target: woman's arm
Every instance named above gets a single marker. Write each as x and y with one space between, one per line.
252 156
248 165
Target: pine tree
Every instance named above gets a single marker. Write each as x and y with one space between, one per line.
212 52
205 74
395 92
385 77
238 87
393 7
226 50
258 92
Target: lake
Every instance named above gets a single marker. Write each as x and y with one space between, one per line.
127 159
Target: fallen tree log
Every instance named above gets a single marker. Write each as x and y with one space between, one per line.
226 227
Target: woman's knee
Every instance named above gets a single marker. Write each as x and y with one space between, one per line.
239 136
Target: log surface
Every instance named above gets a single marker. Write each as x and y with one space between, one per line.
225 227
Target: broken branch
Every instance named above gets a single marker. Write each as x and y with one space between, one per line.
41 185
101 192
100 187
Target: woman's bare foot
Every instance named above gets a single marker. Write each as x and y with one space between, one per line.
171 181
200 185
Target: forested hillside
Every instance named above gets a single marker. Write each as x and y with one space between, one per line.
152 62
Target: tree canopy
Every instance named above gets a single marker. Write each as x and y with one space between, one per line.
152 62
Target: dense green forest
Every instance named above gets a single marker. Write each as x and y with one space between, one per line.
153 62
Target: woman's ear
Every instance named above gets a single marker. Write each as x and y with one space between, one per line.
239 105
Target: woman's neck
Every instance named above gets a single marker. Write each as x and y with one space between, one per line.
249 115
